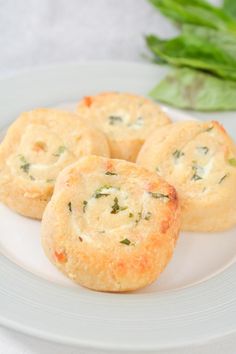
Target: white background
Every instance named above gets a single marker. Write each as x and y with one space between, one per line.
35 33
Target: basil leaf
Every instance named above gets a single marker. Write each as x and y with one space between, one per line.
193 51
229 6
198 12
191 89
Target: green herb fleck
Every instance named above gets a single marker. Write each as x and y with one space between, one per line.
84 205
209 129
177 154
26 165
126 241
232 161
131 215
196 177
32 178
109 173
138 218
147 215
157 169
222 178
164 197
203 149
70 207
50 180
60 150
116 208
100 192
115 119
22 158
196 169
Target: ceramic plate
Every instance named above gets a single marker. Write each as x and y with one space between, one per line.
193 301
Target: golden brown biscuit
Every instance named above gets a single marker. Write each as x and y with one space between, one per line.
37 146
111 225
198 158
126 119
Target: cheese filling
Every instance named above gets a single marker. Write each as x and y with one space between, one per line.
40 156
110 210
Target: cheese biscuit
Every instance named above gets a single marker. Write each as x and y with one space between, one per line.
199 159
37 146
126 119
111 225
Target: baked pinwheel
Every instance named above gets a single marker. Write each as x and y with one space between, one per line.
37 146
111 225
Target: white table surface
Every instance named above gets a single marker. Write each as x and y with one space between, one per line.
35 33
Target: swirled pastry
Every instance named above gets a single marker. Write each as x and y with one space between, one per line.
199 159
126 119
111 225
37 146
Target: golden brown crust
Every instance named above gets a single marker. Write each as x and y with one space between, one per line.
110 225
37 146
198 158
126 119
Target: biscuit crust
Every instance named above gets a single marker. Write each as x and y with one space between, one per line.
126 119
111 225
37 146
199 159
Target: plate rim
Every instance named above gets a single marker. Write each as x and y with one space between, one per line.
78 342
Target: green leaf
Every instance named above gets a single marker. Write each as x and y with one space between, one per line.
194 51
198 12
151 42
229 6
192 89
223 40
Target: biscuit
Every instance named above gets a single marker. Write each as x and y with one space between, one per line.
126 119
198 158
37 146
111 225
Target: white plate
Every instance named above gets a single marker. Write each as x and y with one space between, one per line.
193 301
